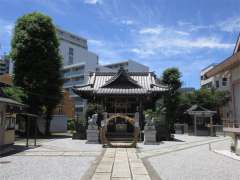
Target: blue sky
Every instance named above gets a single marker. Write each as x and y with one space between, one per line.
188 34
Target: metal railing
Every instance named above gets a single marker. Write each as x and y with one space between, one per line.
230 123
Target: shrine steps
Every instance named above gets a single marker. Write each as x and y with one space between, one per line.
121 145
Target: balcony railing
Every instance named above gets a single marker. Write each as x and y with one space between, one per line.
231 125
73 73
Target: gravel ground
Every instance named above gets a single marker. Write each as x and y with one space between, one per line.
198 163
55 159
179 139
44 167
64 144
68 144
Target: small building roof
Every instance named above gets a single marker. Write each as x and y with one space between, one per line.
120 83
200 111
10 101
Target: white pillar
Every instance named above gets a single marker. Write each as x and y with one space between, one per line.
195 125
136 120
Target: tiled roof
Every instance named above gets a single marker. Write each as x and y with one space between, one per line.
96 84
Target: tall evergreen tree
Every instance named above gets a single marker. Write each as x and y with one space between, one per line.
35 50
171 77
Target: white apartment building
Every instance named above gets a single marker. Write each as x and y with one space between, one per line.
77 63
231 68
219 81
129 65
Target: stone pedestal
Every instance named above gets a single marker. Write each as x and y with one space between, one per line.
92 135
185 128
237 145
150 135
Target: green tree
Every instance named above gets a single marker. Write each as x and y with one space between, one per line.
35 50
207 98
171 78
15 93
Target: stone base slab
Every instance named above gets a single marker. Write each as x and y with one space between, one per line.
150 136
92 136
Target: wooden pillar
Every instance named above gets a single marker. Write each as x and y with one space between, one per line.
140 113
211 124
195 125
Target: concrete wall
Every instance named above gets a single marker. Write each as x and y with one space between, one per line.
6 136
130 65
236 100
79 54
236 93
9 137
236 73
58 123
137 67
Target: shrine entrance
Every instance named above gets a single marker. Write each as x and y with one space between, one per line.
120 128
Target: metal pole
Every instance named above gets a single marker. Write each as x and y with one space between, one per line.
35 133
27 129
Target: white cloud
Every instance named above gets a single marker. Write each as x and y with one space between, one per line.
151 30
210 42
182 33
6 27
193 27
230 25
93 1
169 42
127 22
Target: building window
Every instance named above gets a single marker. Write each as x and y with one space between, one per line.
224 81
70 56
79 79
217 84
78 70
66 80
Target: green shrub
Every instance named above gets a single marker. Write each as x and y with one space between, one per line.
70 125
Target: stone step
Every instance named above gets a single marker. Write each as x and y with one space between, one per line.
121 139
121 144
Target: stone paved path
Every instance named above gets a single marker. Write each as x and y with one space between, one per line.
121 164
